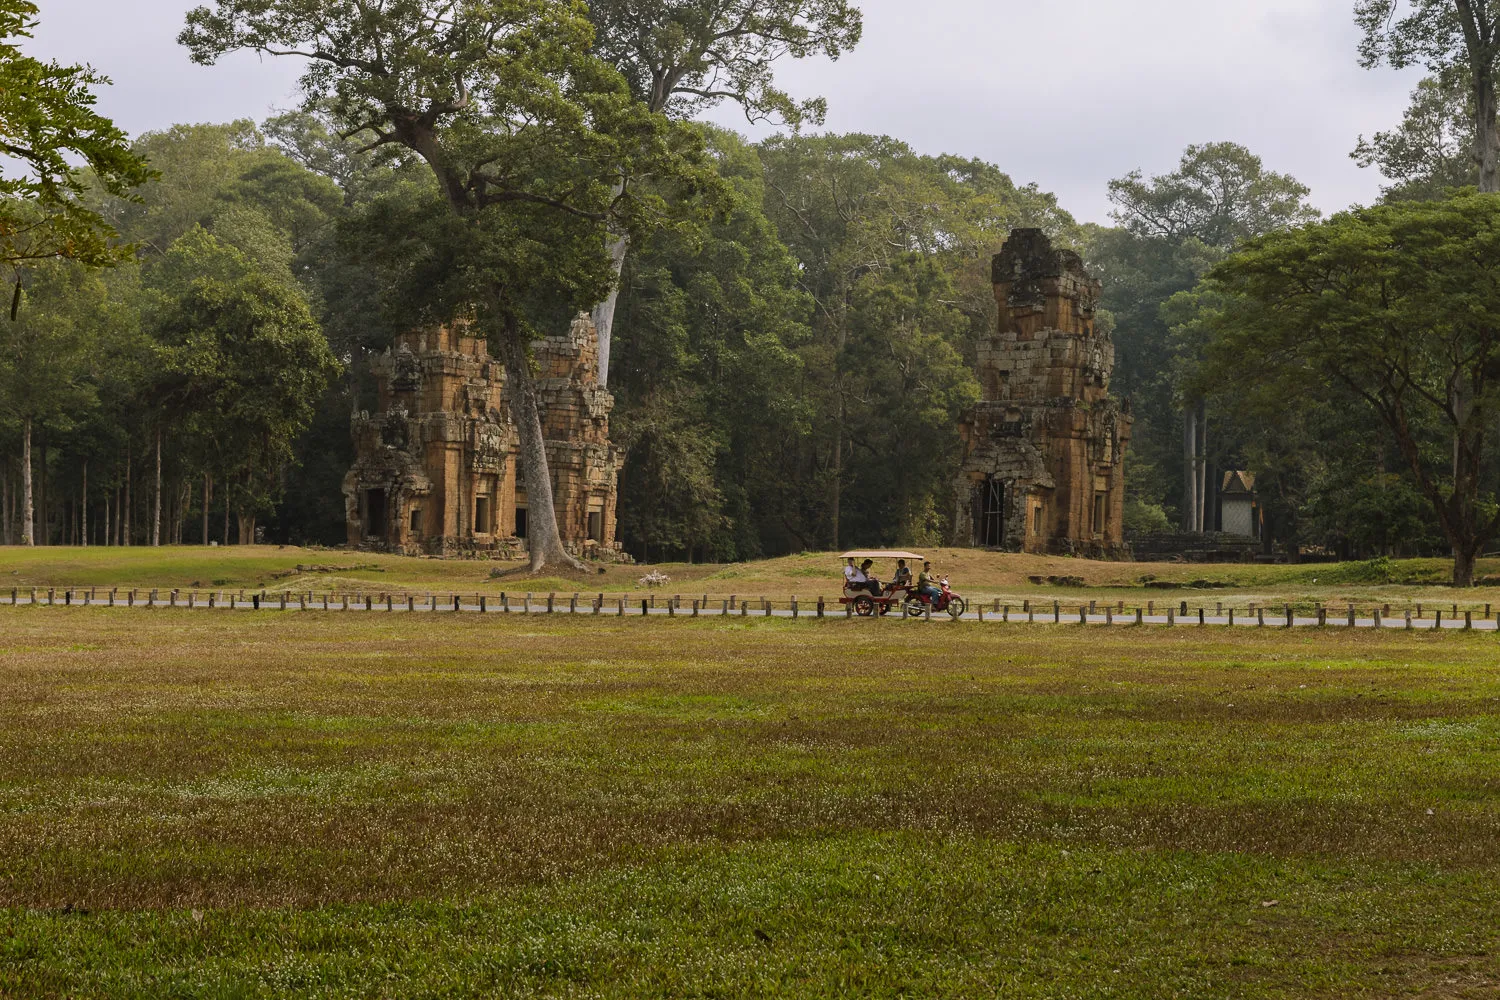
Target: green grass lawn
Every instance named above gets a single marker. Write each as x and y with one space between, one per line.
313 805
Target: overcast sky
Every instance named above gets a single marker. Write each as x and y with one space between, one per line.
1066 99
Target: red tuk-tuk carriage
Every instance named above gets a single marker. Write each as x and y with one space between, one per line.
867 604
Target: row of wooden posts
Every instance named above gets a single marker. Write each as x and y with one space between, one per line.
728 606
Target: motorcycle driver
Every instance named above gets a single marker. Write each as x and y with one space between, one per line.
926 588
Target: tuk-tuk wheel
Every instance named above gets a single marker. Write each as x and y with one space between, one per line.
864 606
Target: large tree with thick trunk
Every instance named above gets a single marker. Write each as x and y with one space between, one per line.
682 57
1398 306
1456 40
526 134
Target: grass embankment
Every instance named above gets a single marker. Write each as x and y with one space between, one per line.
314 805
980 576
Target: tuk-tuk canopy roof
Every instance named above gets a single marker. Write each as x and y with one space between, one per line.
883 554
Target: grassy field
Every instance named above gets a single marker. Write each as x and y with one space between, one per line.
316 806
982 576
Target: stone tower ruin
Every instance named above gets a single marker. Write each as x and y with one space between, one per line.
437 469
1043 451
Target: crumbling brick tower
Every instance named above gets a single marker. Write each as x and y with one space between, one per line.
1043 452
437 468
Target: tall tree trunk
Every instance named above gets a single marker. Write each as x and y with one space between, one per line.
225 537
156 514
83 532
1190 468
836 501
604 313
207 496
542 536
39 534
5 514
1202 467
28 506
125 506
1486 133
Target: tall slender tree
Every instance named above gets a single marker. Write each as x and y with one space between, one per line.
1453 39
682 57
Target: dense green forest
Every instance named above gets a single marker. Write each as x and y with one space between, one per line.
793 328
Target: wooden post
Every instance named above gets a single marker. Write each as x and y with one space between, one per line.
1151 608
210 599
1231 617
1005 614
484 604
671 609
927 612
849 610
1408 619
1378 618
526 604
370 602
744 608
980 606
1200 616
1109 614
551 602
1171 615
504 603
1351 616
767 605
644 605
131 601
573 605
1260 617
695 607
1468 621
794 605
1437 619
622 608
905 611
724 611
1140 618
283 600
820 606
1289 619
411 603
1184 611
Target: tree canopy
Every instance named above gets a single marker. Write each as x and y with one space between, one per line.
47 116
1398 306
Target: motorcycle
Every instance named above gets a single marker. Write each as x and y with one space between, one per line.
917 604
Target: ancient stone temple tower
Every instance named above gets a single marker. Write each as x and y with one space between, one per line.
1043 451
437 469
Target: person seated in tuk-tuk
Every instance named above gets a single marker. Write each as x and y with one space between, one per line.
926 584
902 580
857 578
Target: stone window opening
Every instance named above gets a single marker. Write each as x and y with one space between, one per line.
482 515
596 526
1036 520
416 520
520 522
1100 502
